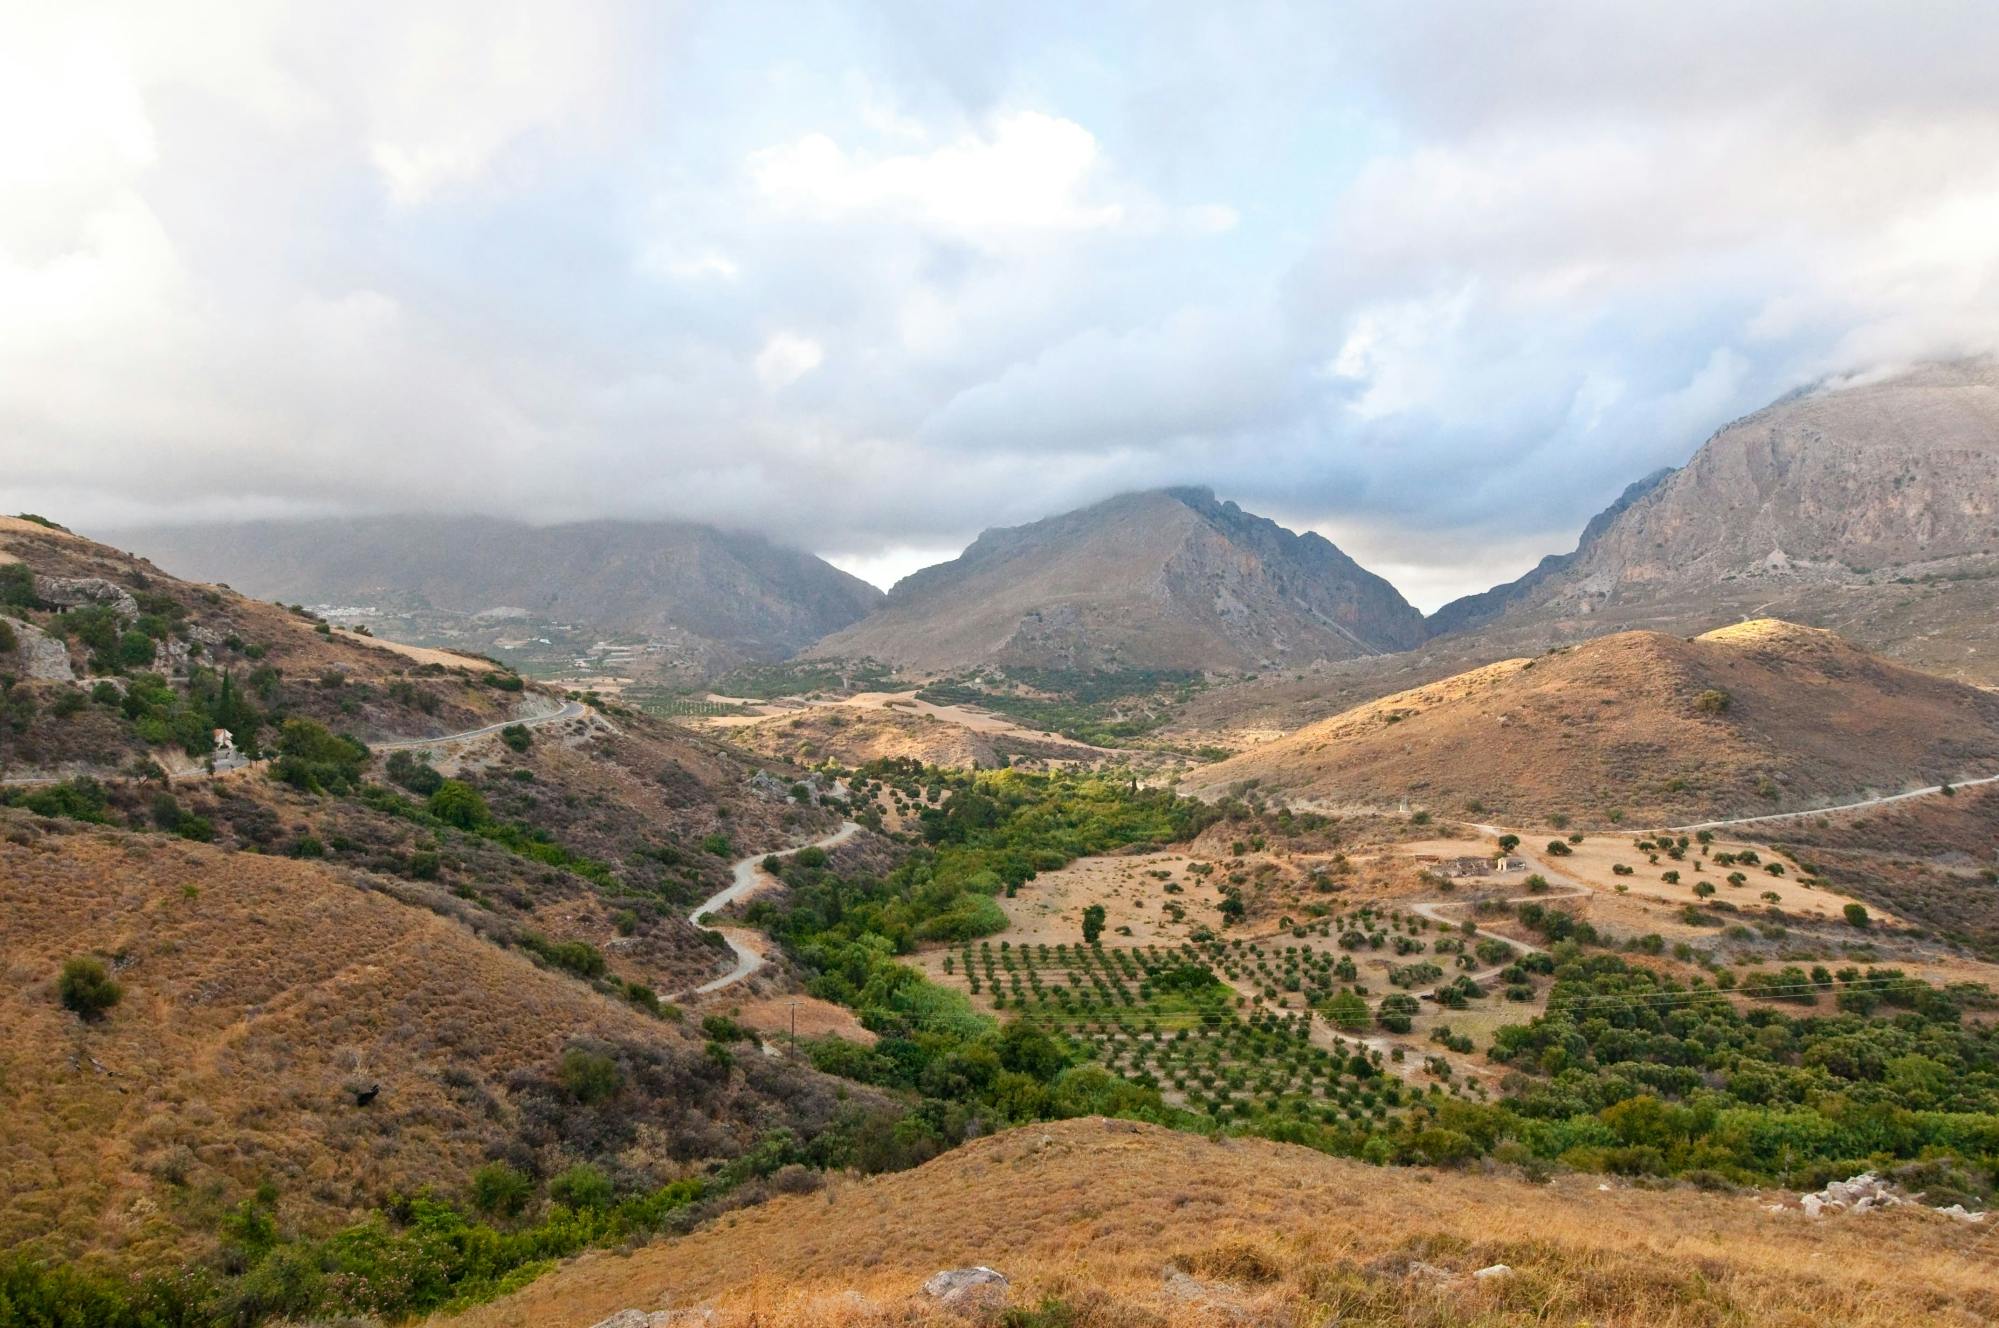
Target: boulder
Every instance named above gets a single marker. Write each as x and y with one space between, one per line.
975 1290
1498 1272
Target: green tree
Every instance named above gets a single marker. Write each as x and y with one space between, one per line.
1093 924
1856 916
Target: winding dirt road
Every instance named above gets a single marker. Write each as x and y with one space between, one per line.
748 878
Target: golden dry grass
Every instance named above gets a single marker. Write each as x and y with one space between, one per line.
257 990
1093 1212
1615 724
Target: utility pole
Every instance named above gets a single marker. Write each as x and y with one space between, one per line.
794 1026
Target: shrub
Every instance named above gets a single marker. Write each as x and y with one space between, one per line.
1856 916
499 1190
313 760
457 803
1559 848
516 736
582 1186
590 1076
1713 701
88 988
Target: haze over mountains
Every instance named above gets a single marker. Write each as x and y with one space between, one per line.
749 597
1857 506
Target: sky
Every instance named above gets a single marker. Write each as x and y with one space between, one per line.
1434 280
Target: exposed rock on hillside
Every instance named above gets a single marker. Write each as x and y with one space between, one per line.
1870 506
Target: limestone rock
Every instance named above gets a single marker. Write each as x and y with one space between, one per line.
974 1290
42 657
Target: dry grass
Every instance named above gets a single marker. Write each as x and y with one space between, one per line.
258 991
1615 724
1096 1213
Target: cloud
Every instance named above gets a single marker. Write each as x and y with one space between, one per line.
786 358
877 279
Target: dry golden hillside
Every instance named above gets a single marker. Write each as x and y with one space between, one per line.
854 736
1127 1224
1763 716
259 994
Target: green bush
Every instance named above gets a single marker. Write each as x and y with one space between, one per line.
516 736
459 804
88 988
582 1186
590 1076
500 1191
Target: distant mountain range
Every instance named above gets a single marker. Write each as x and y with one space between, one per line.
1867 506
740 595
1168 579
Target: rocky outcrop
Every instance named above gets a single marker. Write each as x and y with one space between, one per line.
68 592
1173 579
38 656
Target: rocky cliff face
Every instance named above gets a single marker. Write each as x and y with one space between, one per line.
1871 506
1169 579
1837 481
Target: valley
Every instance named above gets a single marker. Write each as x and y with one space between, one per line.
360 979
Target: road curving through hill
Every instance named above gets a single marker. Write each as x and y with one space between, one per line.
748 877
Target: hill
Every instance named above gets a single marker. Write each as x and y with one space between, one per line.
1760 717
1104 1223
110 659
1166 580
712 598
260 996
1870 507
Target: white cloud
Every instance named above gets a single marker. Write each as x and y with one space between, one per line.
1029 172
787 357
263 256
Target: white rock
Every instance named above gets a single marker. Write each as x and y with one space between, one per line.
968 1290
1498 1272
1961 1213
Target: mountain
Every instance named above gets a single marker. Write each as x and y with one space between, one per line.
1476 610
721 597
1762 716
1869 505
1168 579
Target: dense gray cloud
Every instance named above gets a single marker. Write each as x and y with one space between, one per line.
1435 280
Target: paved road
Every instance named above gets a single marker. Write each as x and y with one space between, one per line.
748 877
568 710
1881 801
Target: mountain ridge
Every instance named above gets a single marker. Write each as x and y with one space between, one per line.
748 596
1157 579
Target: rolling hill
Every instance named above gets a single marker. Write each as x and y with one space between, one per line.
261 995
1102 1223
1759 717
1170 579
